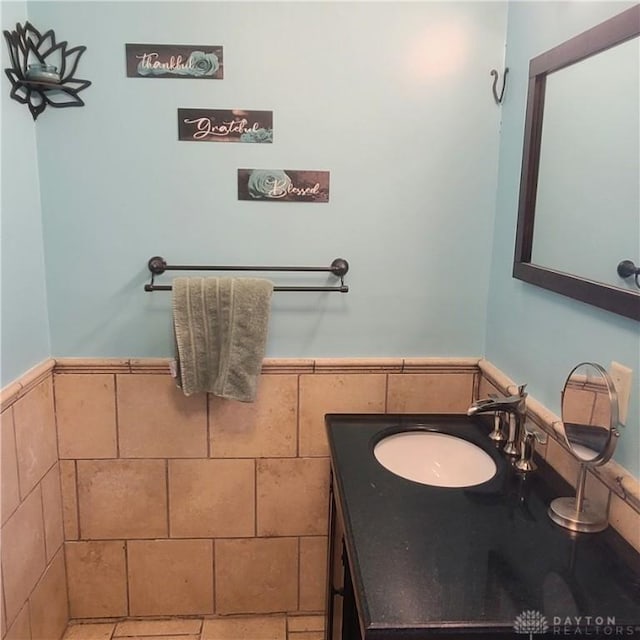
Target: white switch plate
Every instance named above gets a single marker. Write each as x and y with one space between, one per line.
622 377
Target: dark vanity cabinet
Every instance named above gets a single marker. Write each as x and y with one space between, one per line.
342 615
409 561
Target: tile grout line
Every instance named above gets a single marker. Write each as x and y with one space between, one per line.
299 579
44 525
214 586
386 393
47 566
190 537
35 486
64 534
208 428
55 413
111 635
116 414
593 409
168 499
15 452
255 498
126 582
3 611
298 416
77 488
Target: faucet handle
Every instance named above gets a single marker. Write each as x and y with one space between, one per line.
527 448
540 436
497 435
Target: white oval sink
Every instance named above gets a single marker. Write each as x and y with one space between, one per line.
436 459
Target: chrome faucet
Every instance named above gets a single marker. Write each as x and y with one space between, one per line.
515 406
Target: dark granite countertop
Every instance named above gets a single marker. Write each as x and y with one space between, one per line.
430 562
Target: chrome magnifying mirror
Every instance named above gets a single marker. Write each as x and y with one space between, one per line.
590 428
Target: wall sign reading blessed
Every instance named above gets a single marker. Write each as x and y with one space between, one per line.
284 185
224 125
174 61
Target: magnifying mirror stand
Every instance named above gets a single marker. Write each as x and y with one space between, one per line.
590 428
577 514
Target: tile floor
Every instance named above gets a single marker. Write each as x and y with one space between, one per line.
275 627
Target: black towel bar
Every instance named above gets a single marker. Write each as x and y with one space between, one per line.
158 265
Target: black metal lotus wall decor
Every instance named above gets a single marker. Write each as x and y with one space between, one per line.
42 71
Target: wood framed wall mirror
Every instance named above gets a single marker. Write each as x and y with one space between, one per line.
579 207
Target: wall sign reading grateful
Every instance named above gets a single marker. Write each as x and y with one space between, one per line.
284 185
202 62
225 125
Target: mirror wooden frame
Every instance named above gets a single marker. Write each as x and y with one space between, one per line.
610 33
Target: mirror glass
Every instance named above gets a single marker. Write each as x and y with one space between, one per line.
579 205
588 196
590 413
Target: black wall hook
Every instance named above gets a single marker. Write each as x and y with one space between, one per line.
495 74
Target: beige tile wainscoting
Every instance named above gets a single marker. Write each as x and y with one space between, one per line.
196 506
34 591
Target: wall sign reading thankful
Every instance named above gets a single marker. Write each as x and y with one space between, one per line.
285 185
174 61
225 125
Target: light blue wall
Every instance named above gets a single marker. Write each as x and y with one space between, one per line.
393 98
534 335
24 338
